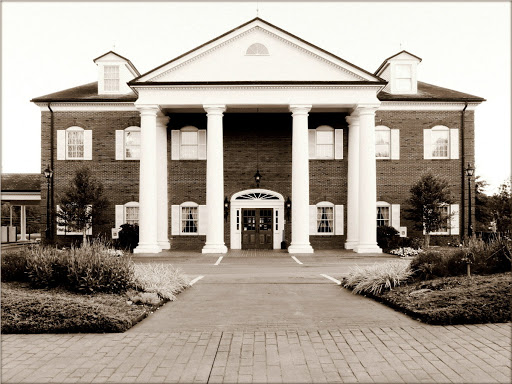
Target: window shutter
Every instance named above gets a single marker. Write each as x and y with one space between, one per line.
201 148
312 143
454 143
339 219
61 144
454 219
203 220
119 144
175 220
119 216
87 144
427 145
338 143
312 220
395 144
395 216
175 144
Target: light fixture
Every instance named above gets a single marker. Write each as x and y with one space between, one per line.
226 208
288 207
257 178
469 173
470 170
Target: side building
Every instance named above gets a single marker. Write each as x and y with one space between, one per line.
258 137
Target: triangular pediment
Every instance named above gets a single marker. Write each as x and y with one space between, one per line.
257 51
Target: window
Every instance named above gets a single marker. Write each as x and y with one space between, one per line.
325 142
132 215
111 78
403 76
382 142
189 143
257 49
74 143
189 219
127 214
128 143
382 216
441 142
325 219
63 229
449 220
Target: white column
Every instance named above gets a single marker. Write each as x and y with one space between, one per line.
23 223
353 182
367 182
215 180
162 201
300 180
148 190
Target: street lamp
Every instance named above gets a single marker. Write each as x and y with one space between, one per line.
469 173
48 173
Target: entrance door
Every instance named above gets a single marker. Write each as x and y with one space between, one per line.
257 228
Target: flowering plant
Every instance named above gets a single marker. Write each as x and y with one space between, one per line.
405 252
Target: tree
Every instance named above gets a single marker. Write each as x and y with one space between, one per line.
483 214
427 196
501 208
82 203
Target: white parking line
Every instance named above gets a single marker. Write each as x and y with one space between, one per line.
331 278
218 260
195 280
297 260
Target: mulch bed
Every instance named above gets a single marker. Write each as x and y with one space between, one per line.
454 300
26 310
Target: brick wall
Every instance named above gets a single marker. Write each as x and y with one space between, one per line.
261 141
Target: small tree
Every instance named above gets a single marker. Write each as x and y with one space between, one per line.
501 208
427 196
483 214
82 203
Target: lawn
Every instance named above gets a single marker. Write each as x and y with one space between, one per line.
454 300
26 310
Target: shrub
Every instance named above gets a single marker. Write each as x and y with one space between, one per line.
165 280
46 267
373 279
491 257
387 237
430 264
128 237
14 266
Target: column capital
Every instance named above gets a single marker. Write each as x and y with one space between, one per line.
300 109
214 109
353 119
148 109
366 109
162 119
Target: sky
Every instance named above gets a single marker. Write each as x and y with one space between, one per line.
465 46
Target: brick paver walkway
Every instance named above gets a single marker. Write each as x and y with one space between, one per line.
371 343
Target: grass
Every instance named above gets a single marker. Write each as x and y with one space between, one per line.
454 300
26 310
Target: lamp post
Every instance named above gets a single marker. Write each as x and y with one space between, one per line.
48 173
469 173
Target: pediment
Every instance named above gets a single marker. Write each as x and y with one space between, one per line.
257 51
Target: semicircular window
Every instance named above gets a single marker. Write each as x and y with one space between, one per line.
257 196
257 49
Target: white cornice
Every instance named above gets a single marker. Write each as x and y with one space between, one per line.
425 106
376 87
85 106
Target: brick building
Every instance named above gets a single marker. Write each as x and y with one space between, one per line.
337 147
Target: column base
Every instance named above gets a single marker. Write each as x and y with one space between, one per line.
147 248
367 248
300 248
164 244
214 248
351 244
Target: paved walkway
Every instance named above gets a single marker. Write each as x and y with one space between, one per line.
266 319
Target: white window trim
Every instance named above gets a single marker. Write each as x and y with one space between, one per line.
440 128
176 143
130 204
118 79
120 213
74 129
384 204
330 205
337 143
184 205
388 130
257 54
448 226
121 143
325 128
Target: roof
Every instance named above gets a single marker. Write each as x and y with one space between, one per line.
121 57
396 54
429 92
134 81
86 92
21 182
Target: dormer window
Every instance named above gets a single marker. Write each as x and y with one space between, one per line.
257 49
111 77
403 76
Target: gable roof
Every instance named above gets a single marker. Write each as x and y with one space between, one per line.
232 31
429 92
21 182
395 55
121 57
86 92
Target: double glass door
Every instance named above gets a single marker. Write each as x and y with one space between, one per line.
257 228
